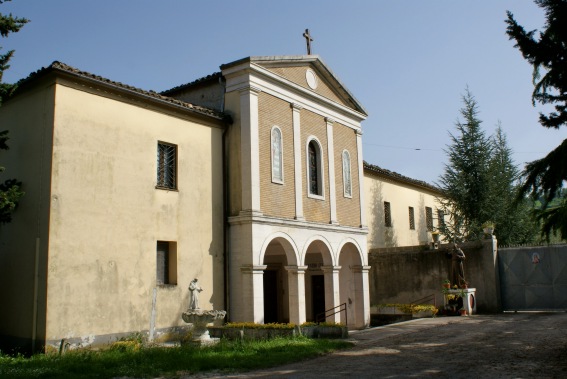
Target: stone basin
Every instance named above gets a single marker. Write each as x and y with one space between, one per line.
200 318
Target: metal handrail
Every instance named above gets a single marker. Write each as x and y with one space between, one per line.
342 307
425 299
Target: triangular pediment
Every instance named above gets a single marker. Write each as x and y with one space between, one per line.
310 73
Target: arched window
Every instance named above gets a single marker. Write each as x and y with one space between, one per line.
277 155
314 169
347 181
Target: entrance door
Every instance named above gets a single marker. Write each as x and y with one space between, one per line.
270 296
318 297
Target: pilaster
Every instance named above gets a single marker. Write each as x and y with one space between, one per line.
249 150
362 296
252 293
332 293
331 155
296 281
297 145
361 178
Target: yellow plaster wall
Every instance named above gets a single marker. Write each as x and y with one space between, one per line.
106 216
377 190
23 242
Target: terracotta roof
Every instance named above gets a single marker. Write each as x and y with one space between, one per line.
62 67
214 76
399 177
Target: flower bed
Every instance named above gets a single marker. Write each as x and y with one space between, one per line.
253 331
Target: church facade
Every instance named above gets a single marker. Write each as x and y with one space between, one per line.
251 180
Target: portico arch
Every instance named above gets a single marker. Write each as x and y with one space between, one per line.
279 254
321 285
353 276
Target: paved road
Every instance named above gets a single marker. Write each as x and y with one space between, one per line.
522 345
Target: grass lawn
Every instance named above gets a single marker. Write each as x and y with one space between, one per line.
134 360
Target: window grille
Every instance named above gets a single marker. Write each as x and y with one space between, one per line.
411 219
162 267
347 182
387 215
166 166
314 185
440 218
429 218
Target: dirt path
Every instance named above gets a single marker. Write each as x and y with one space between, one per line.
523 345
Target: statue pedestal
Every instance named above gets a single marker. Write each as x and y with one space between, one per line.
468 295
200 318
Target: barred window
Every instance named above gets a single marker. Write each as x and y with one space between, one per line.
387 215
166 166
440 218
411 219
314 169
166 262
429 218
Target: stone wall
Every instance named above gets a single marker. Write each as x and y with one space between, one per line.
403 275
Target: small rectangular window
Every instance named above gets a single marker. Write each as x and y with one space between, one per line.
166 263
411 219
387 215
429 218
166 166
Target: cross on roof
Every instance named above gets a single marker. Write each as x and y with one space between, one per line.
308 40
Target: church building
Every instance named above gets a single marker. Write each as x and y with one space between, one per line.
251 180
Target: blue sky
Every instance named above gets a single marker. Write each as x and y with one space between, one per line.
407 61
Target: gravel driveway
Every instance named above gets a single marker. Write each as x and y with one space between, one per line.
511 345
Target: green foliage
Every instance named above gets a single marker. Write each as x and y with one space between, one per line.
8 24
480 183
466 176
10 192
252 325
411 308
546 51
227 356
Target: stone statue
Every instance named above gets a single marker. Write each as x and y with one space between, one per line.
457 268
195 288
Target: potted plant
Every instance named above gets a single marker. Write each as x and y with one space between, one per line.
446 283
435 236
488 227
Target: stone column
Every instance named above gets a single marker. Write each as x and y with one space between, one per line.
252 293
332 293
297 164
296 282
249 150
362 296
331 160
361 178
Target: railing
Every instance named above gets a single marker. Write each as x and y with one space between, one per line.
425 300
321 317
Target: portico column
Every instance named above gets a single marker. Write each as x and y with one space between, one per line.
362 296
297 146
249 150
331 160
361 178
332 293
296 282
253 293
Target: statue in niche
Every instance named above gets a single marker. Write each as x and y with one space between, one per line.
195 288
457 267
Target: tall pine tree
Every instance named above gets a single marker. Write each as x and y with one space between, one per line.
466 179
10 192
547 53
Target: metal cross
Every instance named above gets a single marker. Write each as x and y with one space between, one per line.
308 39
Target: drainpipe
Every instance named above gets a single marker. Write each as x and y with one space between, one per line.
225 213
